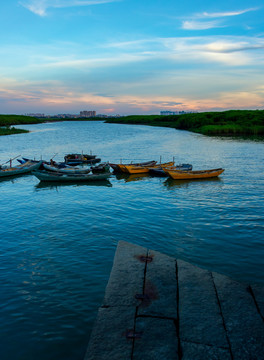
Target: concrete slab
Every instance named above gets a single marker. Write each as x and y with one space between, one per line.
108 339
160 287
158 340
244 325
189 313
258 294
127 275
200 320
191 351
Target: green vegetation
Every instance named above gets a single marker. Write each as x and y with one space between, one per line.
7 120
11 130
246 123
227 123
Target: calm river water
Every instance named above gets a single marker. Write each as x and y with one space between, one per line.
58 241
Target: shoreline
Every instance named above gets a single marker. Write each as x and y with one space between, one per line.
232 123
248 124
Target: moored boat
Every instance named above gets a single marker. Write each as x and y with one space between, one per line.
122 167
198 174
161 173
52 176
157 172
24 160
24 168
133 169
76 159
66 169
101 168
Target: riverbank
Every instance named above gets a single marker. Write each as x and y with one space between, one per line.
11 130
7 120
248 123
232 123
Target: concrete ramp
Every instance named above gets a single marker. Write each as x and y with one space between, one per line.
160 308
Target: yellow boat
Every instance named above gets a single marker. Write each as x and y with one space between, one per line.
121 167
198 174
133 169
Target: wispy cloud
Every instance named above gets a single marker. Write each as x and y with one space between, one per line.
198 21
147 54
224 13
200 25
229 46
40 7
226 50
50 102
64 81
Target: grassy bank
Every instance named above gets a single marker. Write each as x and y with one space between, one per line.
7 120
11 130
227 123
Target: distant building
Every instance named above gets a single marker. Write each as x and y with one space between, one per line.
87 113
101 116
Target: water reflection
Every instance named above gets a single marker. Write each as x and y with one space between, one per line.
56 185
13 177
131 177
171 183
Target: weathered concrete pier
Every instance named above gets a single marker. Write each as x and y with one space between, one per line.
161 308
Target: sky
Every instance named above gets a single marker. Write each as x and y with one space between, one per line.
130 56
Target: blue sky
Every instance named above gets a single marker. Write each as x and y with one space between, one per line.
130 56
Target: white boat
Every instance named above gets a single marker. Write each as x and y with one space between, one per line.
27 167
67 169
44 175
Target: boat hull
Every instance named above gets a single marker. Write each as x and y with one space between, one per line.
132 169
66 170
122 167
101 168
43 175
76 159
157 172
27 167
161 173
186 175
